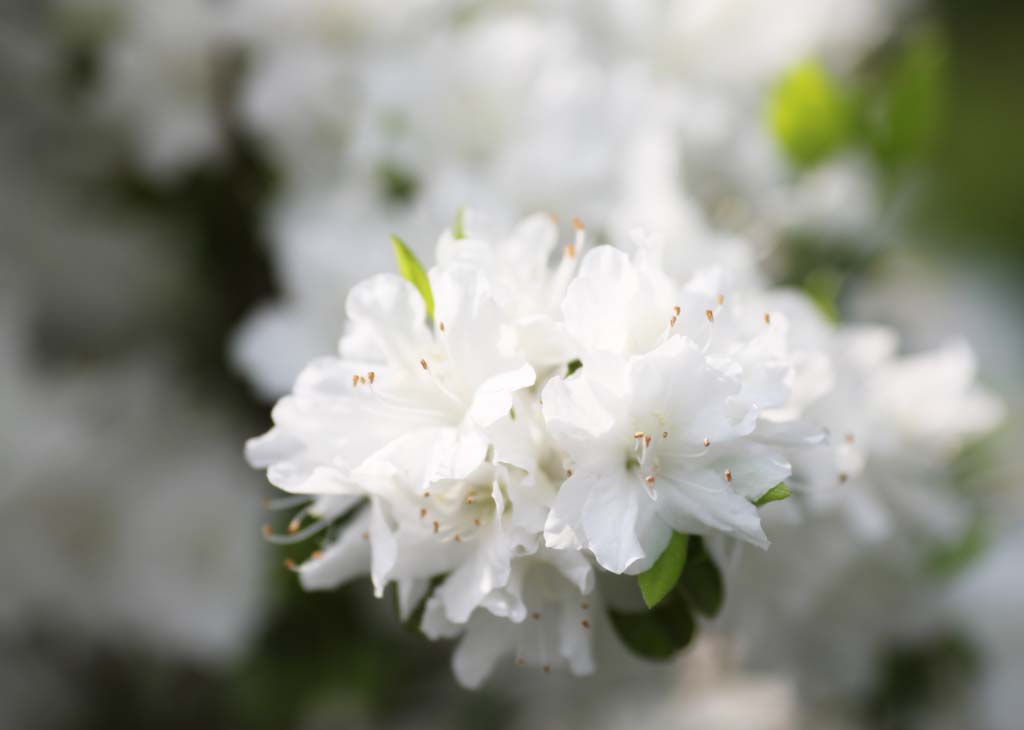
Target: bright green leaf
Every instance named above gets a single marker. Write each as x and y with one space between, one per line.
656 634
657 581
809 114
779 492
412 271
701 583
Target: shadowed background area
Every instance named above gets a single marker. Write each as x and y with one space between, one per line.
187 191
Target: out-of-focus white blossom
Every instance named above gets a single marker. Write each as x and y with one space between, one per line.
616 113
163 81
116 541
870 508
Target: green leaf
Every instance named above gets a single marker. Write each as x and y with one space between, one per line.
823 286
412 271
459 226
573 367
949 559
658 581
809 114
779 492
397 184
656 634
904 117
701 582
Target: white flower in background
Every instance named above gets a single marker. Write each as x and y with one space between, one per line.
122 539
483 492
617 113
850 568
896 423
837 198
162 82
121 487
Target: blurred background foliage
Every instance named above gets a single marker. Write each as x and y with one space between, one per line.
938 110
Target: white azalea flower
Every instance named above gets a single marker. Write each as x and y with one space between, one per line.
428 401
525 285
434 391
542 618
657 445
660 431
486 494
467 460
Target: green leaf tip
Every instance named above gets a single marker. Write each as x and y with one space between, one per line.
658 581
412 271
459 225
779 492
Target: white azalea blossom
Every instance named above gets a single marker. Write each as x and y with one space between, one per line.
467 467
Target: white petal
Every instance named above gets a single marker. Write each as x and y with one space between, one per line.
319 480
487 570
385 549
434 624
493 398
394 316
456 453
794 433
753 469
474 333
410 592
700 501
545 341
574 566
609 519
346 558
563 529
676 380
577 416
574 641
486 640
275 445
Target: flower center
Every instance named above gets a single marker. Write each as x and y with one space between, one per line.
460 511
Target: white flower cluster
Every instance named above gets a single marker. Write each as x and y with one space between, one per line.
532 413
374 119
